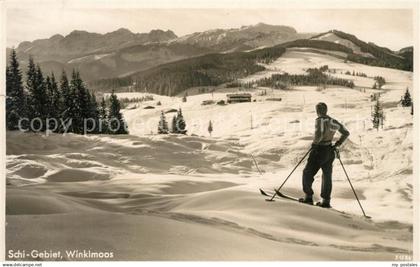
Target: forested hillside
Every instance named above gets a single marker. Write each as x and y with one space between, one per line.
211 69
207 70
383 57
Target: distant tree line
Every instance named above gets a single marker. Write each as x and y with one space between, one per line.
125 101
236 84
42 103
356 73
319 44
314 77
111 84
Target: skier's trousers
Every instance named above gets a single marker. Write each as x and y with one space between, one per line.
320 157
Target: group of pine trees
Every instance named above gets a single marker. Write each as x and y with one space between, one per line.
178 125
42 103
379 82
126 101
378 115
354 73
314 77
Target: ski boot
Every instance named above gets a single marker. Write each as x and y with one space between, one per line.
307 200
324 204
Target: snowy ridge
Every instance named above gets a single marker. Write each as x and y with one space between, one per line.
331 37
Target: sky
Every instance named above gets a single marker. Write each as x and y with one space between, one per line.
392 28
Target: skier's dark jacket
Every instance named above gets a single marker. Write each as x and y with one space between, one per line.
325 128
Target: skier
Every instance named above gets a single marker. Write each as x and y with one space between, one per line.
322 156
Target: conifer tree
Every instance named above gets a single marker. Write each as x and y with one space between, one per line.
380 81
49 93
83 97
406 101
68 97
378 116
210 128
31 86
76 115
81 102
117 124
65 92
103 117
93 113
37 99
56 100
50 112
43 101
180 123
54 97
15 94
174 127
163 124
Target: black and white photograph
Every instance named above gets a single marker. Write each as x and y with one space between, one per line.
239 132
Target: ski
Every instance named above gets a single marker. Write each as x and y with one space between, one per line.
264 193
268 194
277 193
280 194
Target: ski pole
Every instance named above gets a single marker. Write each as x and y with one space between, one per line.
348 179
272 197
256 164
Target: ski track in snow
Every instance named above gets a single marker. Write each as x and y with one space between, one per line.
205 189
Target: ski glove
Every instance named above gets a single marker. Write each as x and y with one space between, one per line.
337 145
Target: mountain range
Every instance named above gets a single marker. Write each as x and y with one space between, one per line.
120 57
122 52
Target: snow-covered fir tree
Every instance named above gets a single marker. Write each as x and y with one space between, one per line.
406 100
378 116
37 98
163 124
15 94
180 123
210 128
103 117
116 122
173 125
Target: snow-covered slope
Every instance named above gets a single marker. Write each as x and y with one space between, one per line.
332 37
201 191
